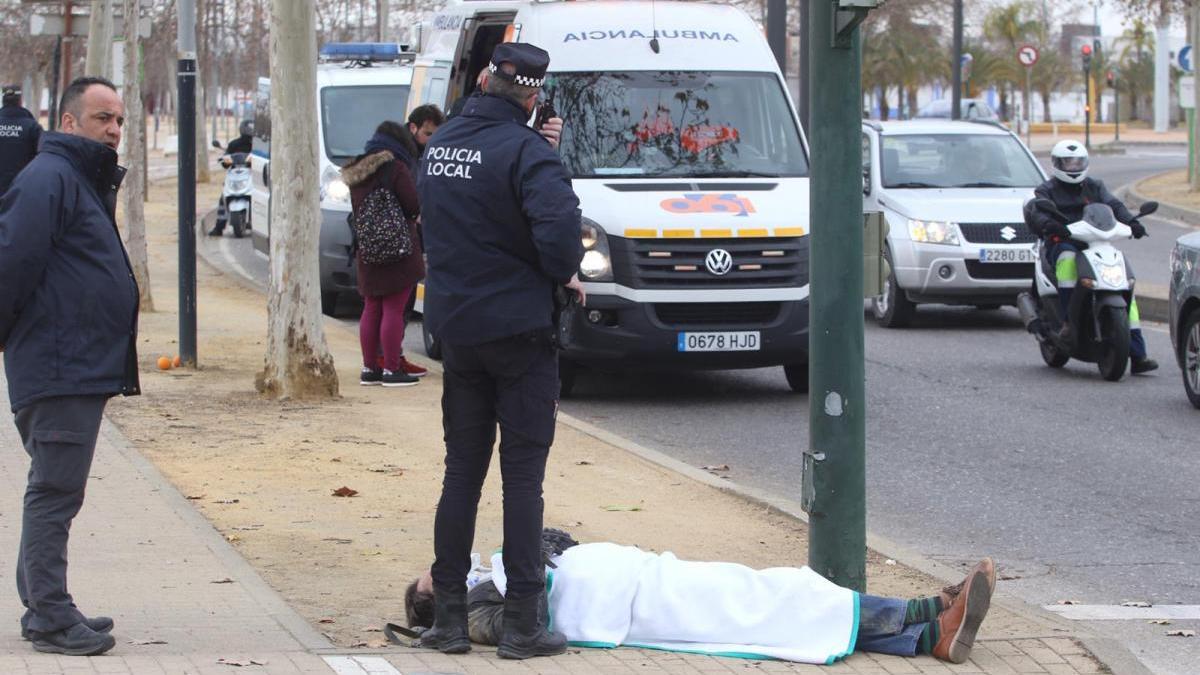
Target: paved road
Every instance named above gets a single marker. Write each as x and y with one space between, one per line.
1082 489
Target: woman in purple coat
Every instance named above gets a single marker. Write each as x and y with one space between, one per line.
389 161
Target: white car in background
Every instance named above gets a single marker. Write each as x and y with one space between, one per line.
952 194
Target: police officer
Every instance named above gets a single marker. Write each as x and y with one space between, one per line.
502 233
19 136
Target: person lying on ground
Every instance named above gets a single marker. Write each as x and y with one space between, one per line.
608 595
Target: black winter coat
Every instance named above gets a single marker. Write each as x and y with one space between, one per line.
68 298
19 135
1070 198
500 223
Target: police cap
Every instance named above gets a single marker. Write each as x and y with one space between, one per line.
531 63
11 90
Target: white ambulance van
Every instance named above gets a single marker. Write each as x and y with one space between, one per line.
690 165
359 85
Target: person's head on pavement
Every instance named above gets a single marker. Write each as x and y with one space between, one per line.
418 601
517 72
12 94
423 121
92 108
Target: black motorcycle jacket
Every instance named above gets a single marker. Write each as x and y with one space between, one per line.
1070 198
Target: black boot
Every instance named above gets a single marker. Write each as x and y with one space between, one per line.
449 633
525 633
1143 365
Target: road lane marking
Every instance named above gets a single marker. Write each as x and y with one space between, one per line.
1119 613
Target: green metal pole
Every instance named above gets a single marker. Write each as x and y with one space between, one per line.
834 482
1191 115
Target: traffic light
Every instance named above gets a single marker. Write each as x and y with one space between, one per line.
1086 52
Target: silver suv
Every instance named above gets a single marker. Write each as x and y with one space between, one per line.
952 194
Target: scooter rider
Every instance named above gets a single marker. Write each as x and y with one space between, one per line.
244 143
1071 190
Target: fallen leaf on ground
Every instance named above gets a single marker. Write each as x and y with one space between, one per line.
577 523
325 620
247 527
1069 602
372 516
371 553
148 642
195 497
227 501
1181 633
584 462
716 467
1136 603
622 508
336 459
337 540
226 580
344 492
1160 622
233 539
241 663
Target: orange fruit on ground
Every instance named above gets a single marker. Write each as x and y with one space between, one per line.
164 363
177 362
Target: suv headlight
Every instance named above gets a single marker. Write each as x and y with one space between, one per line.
933 232
597 260
332 188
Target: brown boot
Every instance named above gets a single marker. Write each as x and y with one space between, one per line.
959 622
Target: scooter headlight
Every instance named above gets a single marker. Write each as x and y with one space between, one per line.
333 189
933 232
1113 275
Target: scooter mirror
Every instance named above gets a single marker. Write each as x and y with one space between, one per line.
216 144
1147 208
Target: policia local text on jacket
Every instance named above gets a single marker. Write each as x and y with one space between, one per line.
68 325
502 232
19 135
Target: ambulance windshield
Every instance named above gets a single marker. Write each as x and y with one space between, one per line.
676 123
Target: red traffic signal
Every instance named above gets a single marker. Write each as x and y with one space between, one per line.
1086 50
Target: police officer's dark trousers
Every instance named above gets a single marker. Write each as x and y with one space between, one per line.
513 381
60 436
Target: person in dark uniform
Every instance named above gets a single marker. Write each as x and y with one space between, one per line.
502 234
68 330
244 143
19 135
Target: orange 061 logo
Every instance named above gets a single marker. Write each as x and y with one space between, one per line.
729 204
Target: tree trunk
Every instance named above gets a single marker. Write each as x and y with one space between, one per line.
382 20
298 363
135 143
1046 106
885 110
203 64
99 43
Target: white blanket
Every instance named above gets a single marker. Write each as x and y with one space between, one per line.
605 595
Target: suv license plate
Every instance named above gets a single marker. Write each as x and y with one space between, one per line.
732 341
1006 255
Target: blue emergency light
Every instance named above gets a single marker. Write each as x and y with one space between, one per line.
361 51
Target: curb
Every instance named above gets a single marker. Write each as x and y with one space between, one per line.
1187 216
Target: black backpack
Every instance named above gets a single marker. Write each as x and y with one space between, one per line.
380 232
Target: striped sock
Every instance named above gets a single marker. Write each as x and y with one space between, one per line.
922 610
929 638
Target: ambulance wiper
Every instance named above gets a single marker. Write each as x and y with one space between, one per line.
732 174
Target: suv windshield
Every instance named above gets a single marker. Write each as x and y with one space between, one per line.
349 116
957 161
676 123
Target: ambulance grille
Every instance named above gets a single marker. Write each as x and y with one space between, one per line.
680 263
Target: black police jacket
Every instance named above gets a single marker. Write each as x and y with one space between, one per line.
1070 198
500 224
19 135
68 299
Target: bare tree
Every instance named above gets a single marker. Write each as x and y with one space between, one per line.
99 44
135 145
298 363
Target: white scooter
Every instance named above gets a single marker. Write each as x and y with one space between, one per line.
235 195
1100 325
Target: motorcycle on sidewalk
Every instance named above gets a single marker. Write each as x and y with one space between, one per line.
235 195
1099 325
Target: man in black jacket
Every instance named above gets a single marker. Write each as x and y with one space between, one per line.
19 135
68 329
502 233
1071 190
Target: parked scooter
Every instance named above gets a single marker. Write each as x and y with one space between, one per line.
235 196
1099 329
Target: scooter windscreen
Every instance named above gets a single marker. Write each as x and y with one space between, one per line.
1100 216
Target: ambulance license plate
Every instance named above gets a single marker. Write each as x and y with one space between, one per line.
1006 255
730 341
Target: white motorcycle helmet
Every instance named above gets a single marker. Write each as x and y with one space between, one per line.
1069 161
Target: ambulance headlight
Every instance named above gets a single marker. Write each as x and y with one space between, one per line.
597 261
333 189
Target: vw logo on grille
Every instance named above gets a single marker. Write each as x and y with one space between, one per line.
1007 233
718 261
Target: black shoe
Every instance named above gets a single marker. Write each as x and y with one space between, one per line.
1143 365
1064 333
398 378
100 624
78 640
370 376
215 232
525 634
449 632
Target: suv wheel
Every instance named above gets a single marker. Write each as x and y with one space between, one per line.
797 377
1190 347
892 308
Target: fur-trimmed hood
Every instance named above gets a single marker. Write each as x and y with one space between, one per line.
360 170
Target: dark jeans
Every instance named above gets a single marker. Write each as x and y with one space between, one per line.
60 436
513 381
881 627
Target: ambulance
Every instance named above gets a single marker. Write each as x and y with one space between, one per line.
691 168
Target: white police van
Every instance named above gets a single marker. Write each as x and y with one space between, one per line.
358 86
691 168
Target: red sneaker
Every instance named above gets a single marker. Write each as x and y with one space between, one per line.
412 368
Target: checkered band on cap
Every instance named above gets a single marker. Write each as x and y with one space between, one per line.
517 79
